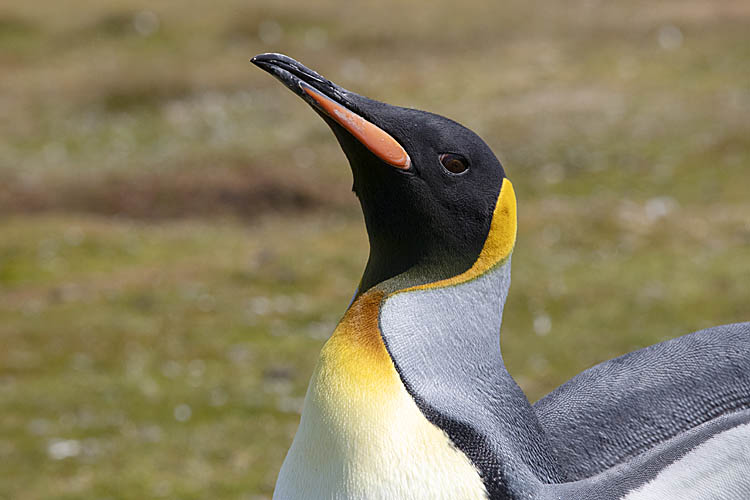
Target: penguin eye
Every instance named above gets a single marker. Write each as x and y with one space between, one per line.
453 163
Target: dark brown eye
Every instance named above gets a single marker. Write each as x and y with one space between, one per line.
453 163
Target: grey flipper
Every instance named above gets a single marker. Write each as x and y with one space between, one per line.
708 462
625 406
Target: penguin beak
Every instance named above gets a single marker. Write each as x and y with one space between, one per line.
332 102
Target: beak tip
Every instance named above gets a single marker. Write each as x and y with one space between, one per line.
330 99
258 59
261 58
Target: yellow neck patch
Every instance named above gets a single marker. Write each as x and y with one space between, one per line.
355 353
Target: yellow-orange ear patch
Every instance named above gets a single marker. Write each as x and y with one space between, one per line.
497 247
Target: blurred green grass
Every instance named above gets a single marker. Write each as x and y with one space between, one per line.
178 236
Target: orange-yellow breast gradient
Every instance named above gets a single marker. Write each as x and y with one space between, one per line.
355 353
362 435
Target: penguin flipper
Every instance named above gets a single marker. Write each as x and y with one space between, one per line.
708 462
622 407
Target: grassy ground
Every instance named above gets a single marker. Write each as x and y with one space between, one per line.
178 238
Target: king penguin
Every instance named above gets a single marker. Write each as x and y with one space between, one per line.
410 398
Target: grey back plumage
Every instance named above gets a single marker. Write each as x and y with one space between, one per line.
627 405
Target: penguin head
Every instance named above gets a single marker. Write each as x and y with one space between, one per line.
427 185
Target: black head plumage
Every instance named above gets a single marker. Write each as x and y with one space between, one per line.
426 220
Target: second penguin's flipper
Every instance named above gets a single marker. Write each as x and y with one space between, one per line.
625 406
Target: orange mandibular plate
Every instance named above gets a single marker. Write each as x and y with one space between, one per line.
377 140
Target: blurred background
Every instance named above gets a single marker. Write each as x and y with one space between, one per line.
178 236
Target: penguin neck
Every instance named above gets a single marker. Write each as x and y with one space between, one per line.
410 248
443 339
389 272
403 254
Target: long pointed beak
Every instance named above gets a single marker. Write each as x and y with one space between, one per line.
331 100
